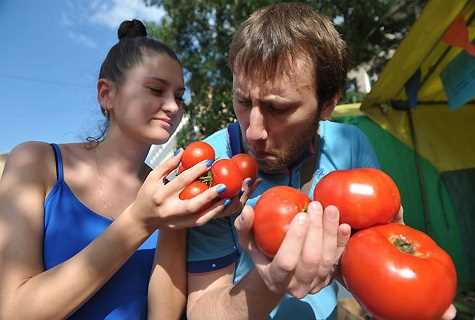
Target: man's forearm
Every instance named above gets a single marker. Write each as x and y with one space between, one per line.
249 299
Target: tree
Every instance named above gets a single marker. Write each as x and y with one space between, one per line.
201 31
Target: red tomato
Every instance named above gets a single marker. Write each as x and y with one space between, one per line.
364 196
196 152
192 190
274 211
247 165
225 171
398 272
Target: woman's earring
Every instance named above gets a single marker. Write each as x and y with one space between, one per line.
105 112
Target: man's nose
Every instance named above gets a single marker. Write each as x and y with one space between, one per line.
257 128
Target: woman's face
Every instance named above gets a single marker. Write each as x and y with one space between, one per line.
148 105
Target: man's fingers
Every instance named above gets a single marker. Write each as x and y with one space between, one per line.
331 217
243 224
399 217
344 233
450 313
307 268
286 259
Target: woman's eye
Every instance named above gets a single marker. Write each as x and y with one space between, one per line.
156 90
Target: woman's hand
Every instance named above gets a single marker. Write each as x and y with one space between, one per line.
158 203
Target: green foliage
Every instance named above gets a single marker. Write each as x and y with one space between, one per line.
200 32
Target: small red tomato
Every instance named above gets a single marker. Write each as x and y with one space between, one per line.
226 172
364 196
274 211
398 272
192 190
196 152
247 165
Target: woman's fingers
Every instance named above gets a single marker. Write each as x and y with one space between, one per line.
188 176
165 168
196 219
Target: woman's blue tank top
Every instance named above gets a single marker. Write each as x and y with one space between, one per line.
69 226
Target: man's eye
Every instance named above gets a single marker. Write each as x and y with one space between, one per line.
246 103
273 109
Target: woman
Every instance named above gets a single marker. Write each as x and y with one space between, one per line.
78 222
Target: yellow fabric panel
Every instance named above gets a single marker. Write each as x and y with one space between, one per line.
343 110
445 138
418 44
432 89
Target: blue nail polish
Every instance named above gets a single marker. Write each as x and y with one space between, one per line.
249 182
227 202
241 193
177 151
209 163
221 189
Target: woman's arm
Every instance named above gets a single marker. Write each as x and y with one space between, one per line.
27 291
167 289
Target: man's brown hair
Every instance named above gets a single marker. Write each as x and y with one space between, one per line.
274 36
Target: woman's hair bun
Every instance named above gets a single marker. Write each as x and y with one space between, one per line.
131 29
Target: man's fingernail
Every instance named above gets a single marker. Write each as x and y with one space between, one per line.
301 218
227 202
332 214
177 151
221 188
313 206
248 182
241 193
208 163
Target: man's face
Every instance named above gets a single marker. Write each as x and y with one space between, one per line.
278 118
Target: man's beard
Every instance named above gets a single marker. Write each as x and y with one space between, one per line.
296 147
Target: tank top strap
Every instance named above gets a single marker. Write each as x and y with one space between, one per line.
59 161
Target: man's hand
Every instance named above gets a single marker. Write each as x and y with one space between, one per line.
307 257
399 217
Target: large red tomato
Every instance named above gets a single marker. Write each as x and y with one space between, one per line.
196 152
364 196
225 171
274 211
247 165
399 273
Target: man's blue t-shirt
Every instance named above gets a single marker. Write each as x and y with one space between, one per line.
215 245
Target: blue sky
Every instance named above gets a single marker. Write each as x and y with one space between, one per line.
49 60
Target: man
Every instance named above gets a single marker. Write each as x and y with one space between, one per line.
289 65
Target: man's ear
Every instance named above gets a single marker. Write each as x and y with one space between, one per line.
328 107
105 91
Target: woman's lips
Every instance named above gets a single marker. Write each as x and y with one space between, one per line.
165 122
